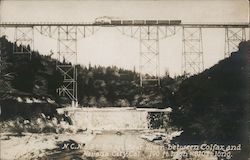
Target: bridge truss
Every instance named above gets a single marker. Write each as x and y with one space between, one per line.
148 33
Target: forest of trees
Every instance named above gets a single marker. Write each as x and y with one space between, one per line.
213 106
98 86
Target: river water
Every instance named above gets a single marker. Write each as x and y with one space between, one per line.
110 145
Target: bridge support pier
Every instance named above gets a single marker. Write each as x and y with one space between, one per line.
149 55
192 51
2 29
149 60
233 36
24 40
67 54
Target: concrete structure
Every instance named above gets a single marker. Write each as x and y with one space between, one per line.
111 118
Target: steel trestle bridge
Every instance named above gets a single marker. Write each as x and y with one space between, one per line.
148 32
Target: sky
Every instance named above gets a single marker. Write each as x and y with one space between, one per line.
109 47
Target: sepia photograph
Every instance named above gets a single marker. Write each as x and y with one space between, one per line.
124 79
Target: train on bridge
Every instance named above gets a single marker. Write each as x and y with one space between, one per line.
109 21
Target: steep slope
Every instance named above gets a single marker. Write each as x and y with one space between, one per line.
27 86
212 106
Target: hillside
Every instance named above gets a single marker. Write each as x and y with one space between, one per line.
212 106
27 83
27 86
116 87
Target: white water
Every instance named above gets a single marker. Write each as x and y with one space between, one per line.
110 118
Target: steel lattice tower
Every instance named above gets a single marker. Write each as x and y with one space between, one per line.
149 55
67 54
233 36
192 53
67 38
24 40
149 59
